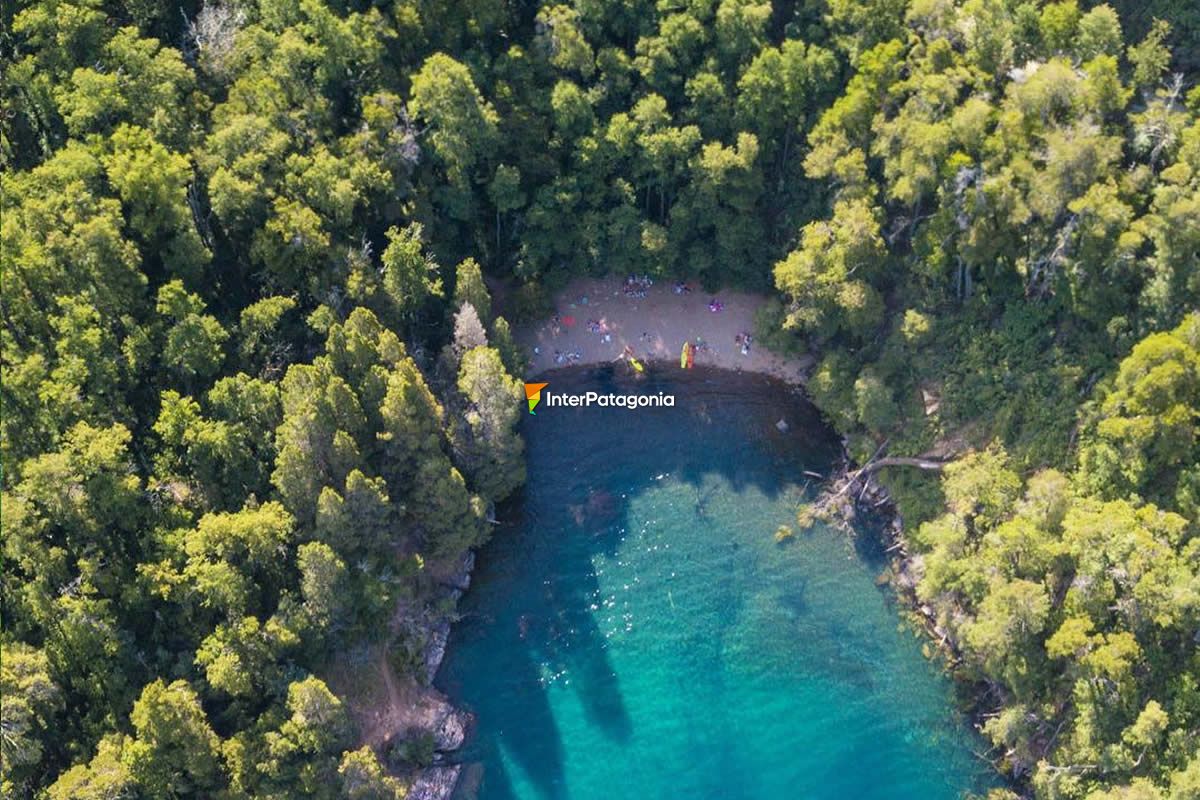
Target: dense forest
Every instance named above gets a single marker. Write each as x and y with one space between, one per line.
256 395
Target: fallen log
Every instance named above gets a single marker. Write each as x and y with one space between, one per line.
834 501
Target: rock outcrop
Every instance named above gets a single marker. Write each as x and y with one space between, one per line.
435 648
450 730
435 783
448 725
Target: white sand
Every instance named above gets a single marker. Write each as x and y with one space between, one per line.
655 326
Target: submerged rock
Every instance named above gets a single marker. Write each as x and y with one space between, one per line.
469 781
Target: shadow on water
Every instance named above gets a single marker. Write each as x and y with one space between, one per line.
586 465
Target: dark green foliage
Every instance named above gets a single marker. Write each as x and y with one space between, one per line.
202 496
247 404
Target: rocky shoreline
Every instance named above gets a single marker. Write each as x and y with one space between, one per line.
904 573
447 724
446 779
905 569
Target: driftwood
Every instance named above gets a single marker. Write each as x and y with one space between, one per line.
852 478
902 461
838 499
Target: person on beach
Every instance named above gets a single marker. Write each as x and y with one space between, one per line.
743 340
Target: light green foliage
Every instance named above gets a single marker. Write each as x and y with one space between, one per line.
230 557
104 777
322 584
316 441
30 701
363 778
981 487
572 112
175 751
470 288
289 187
302 752
915 327
136 80
240 658
1150 57
1174 285
1099 34
462 125
827 277
512 354
73 291
83 494
1060 595
831 388
411 417
873 401
448 518
194 342
263 345
410 276
358 521
505 193
1058 25
563 42
726 182
862 25
493 406
216 456
200 500
152 183
1143 437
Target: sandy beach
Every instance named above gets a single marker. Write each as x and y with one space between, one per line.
596 319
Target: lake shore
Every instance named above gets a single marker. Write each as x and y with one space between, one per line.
595 319
644 547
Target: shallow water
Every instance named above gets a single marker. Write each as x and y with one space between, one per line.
635 631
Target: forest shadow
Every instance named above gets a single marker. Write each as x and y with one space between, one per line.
586 467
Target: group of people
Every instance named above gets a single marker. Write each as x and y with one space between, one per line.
569 357
636 285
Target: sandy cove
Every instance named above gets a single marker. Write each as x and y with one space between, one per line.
655 325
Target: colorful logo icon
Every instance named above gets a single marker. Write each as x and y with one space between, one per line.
533 393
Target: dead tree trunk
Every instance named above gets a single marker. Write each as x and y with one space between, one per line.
838 499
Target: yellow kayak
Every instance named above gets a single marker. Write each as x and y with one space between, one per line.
683 356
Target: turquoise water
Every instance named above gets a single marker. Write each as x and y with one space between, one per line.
634 630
